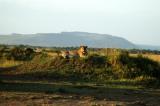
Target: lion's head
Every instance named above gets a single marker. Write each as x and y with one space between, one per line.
83 50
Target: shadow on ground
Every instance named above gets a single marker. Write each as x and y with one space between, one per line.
98 92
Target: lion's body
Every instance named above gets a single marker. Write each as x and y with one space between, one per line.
81 52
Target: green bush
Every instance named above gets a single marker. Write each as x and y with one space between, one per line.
21 54
96 61
138 66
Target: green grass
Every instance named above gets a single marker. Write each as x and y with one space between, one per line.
61 87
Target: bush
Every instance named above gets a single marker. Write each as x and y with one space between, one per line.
97 61
124 58
138 66
21 54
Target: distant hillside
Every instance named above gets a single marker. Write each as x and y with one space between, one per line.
69 39
65 39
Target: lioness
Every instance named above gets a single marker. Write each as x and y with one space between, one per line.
81 52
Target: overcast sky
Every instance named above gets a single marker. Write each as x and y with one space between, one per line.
136 20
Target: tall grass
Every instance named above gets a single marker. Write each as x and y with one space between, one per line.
10 63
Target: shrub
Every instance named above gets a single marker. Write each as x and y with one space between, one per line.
138 66
21 54
97 61
124 57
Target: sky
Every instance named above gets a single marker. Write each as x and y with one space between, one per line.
136 20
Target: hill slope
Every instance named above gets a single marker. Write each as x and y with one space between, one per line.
65 39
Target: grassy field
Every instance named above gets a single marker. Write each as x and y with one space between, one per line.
104 78
154 57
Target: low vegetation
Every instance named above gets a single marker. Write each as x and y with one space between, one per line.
103 74
99 66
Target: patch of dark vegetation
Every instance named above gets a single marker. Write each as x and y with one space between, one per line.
49 92
97 61
1 81
133 67
62 90
85 87
17 53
